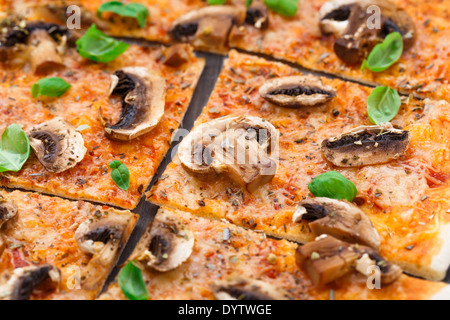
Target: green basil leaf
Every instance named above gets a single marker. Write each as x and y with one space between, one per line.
120 174
14 149
383 105
333 185
284 7
50 87
385 54
98 47
248 2
132 10
216 2
132 283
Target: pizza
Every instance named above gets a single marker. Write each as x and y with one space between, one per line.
318 169
315 36
404 198
139 143
226 261
57 249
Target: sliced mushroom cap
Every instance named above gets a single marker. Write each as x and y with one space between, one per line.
338 218
57 144
257 15
334 16
45 40
23 281
248 289
14 32
242 148
366 145
389 272
208 27
8 210
102 236
327 259
143 94
349 21
170 244
296 91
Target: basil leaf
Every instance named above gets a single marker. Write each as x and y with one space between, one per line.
383 105
248 2
98 47
284 7
50 87
216 2
385 54
14 149
132 10
333 185
120 174
132 283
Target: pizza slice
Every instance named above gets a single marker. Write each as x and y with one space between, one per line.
52 248
119 113
206 27
182 257
285 127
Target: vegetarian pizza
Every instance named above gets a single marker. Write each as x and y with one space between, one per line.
349 179
52 248
185 257
96 113
305 140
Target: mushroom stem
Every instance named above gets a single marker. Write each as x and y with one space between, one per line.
44 54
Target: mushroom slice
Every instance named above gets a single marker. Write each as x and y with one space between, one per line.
327 259
8 210
389 272
14 32
170 244
257 15
44 55
44 40
248 289
296 91
340 219
143 94
349 21
2 246
177 55
23 281
103 236
334 16
366 145
207 28
242 148
57 144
